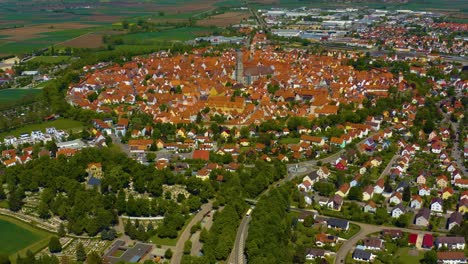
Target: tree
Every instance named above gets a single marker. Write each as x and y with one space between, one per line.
54 245
151 156
168 253
187 247
355 193
407 194
430 257
94 258
309 221
15 200
80 252
61 230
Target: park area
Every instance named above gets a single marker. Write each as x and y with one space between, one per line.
19 237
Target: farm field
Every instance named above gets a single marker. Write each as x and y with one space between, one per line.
224 20
181 34
9 95
18 236
34 26
64 124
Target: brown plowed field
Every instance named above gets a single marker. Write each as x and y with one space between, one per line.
224 20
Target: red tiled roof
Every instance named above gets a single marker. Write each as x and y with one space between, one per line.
201 154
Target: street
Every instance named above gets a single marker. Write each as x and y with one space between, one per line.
179 248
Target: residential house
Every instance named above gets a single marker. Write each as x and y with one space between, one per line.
335 203
306 184
424 191
343 190
451 257
325 239
463 205
370 207
379 186
455 219
338 224
437 205
442 181
396 198
450 242
416 202
362 255
314 253
368 193
392 233
373 243
447 193
422 217
461 183
323 172
398 210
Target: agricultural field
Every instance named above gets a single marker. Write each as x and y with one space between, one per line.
18 236
224 20
181 34
9 95
64 124
31 26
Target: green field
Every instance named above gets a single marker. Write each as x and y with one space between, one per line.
64 124
9 95
19 237
181 34
51 59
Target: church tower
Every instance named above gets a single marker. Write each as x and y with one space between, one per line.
239 74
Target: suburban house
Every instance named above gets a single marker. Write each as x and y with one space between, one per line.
455 219
338 224
451 257
343 190
370 207
313 253
325 239
362 255
416 202
437 205
422 217
368 193
451 243
397 211
373 243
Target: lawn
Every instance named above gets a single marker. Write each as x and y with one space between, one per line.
65 124
51 59
19 237
9 95
406 258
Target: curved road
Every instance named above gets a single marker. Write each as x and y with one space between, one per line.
179 248
237 253
366 230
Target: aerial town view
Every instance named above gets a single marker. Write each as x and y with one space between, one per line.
233 131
